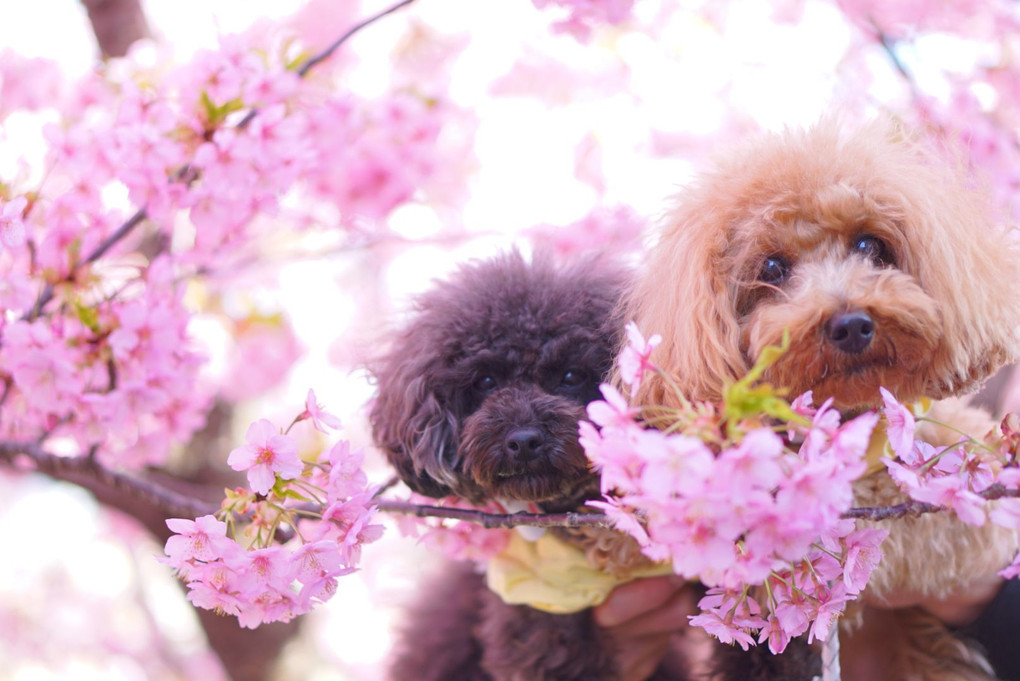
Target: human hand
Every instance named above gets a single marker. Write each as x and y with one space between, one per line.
959 608
647 620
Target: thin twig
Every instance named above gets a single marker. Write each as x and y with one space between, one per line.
494 520
90 474
325 54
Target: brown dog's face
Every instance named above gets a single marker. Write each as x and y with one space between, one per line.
877 258
836 273
518 435
483 391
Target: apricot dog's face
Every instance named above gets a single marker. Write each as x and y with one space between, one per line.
878 261
835 272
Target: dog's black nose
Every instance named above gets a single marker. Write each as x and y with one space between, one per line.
524 442
851 332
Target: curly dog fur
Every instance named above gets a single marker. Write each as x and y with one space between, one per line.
879 259
480 398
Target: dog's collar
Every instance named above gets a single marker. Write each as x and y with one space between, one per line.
551 575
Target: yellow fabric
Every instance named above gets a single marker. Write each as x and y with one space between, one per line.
878 446
551 575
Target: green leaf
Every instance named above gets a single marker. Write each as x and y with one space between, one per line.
217 114
87 316
748 399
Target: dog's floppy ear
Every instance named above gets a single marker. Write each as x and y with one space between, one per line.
963 260
410 421
685 293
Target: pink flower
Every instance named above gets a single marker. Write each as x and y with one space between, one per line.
265 567
215 587
1012 570
634 359
203 539
1006 512
348 525
12 229
755 461
346 478
722 613
674 464
315 560
850 442
863 554
904 476
832 602
320 419
951 491
900 426
267 455
777 637
613 411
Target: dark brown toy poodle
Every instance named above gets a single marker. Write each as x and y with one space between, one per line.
480 398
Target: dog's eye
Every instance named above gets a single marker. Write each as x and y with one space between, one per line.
773 271
485 384
872 248
573 378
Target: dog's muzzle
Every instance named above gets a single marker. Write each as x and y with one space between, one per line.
850 332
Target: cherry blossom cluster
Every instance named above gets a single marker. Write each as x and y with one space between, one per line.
297 527
459 540
746 494
119 374
156 175
973 105
584 15
973 478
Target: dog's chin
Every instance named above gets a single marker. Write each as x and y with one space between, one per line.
853 381
548 487
854 388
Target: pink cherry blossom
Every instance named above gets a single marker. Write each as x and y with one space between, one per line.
267 455
584 15
952 492
612 410
862 557
634 358
900 425
320 419
203 539
12 228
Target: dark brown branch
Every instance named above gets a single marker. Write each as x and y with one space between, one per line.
494 520
325 54
916 508
116 24
913 508
88 473
99 251
888 45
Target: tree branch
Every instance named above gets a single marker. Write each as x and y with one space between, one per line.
93 476
183 175
496 520
325 54
116 24
117 489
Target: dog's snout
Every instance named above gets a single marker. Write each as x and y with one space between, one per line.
524 443
851 332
